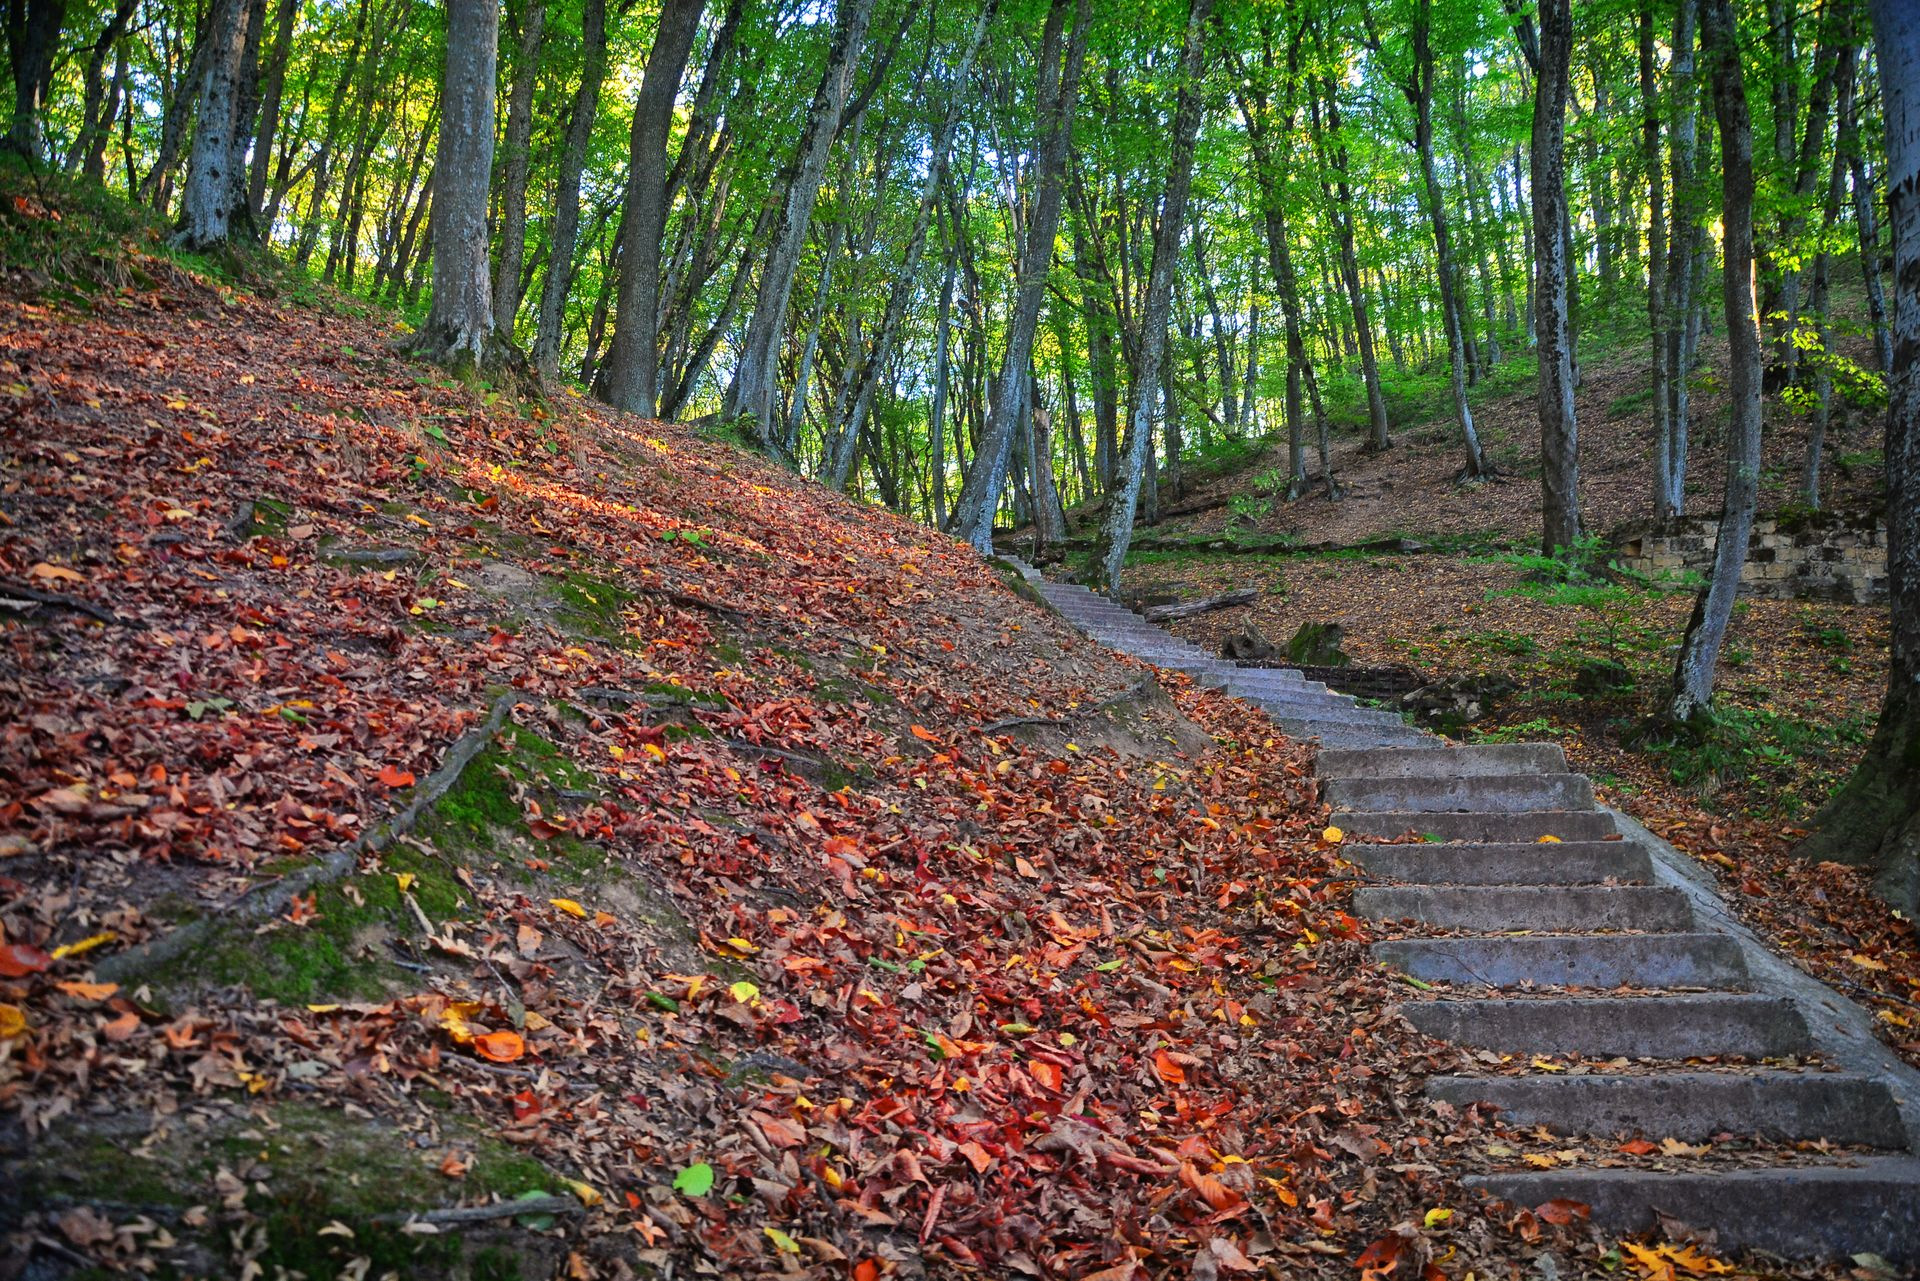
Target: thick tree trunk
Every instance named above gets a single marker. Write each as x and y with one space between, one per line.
459 330
1875 819
33 38
633 363
518 145
1559 433
753 392
1707 630
1117 531
550 325
1057 93
218 148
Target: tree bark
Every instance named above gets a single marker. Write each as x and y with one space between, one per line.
218 149
1700 647
1686 237
752 393
459 330
1559 432
1866 223
1057 92
550 325
1117 530
633 362
518 145
1874 820
1657 322
33 38
101 98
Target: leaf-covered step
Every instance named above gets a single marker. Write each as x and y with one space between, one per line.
1647 1027
1571 960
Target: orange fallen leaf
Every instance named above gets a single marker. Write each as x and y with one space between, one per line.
1638 1147
501 1047
1170 1071
925 735
394 776
89 991
1048 1074
55 573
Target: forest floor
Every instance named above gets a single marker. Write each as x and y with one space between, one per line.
597 853
1800 683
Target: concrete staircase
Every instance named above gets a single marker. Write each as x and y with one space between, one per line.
1538 925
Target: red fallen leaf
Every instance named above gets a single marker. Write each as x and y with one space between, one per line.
1637 1147
1218 1196
1170 1071
301 910
1560 1211
780 1132
1380 1258
867 1270
1048 1074
394 776
501 1047
542 830
525 1104
17 960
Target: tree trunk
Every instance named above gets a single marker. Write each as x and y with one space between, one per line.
937 416
1874 820
633 363
1657 320
1379 431
752 394
33 38
518 145
1866 224
100 102
1700 648
218 149
1057 92
1686 236
1559 433
459 329
551 322
1117 532
273 88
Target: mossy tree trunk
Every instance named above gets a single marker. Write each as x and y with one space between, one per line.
1875 819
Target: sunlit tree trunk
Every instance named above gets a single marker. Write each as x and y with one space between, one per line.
1559 432
218 149
459 329
550 323
1707 630
1117 531
1379 431
1059 89
517 145
752 394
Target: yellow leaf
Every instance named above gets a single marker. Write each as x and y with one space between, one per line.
588 1194
744 992
786 1243
570 907
1546 1066
405 880
1541 1160
419 520
1867 962
1333 836
84 946
741 946
1548 840
12 1022
1437 1216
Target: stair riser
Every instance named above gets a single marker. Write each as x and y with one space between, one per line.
1493 908
1585 863
1580 825
1662 960
1499 794
1670 1027
1690 1106
1800 1213
1446 762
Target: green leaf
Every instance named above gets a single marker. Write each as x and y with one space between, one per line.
695 1180
1108 967
781 1239
663 1002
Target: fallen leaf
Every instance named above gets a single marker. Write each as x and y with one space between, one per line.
501 1047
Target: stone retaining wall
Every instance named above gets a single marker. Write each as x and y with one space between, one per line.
1837 556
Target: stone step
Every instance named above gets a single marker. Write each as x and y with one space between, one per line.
1447 762
1872 1205
1363 736
1487 793
1571 960
1391 825
1691 1106
1312 724
1561 863
1653 1027
1307 705
1495 908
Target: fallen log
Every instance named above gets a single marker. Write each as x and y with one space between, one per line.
1205 605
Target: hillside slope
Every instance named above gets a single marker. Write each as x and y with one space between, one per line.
546 803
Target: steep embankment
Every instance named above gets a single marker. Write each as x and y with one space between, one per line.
413 800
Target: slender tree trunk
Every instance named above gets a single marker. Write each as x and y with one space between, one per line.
1559 433
1117 532
1874 820
1657 320
1700 648
273 82
937 416
518 145
1866 223
1677 306
33 38
1058 91
753 392
551 323
100 103
633 363
218 150
1379 431
459 329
